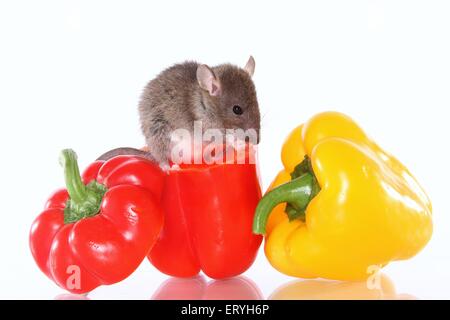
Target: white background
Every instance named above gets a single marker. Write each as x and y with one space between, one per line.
71 73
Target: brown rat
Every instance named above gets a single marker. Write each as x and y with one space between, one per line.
221 97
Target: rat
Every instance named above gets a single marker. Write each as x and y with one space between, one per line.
221 97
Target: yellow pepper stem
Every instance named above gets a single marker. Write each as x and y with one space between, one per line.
297 193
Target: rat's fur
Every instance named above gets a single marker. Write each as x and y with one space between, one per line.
174 100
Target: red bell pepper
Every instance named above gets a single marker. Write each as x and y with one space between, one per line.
100 229
208 221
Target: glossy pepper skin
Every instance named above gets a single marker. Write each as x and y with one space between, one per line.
351 205
208 221
99 230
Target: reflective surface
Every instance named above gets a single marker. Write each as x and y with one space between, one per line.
243 288
199 288
69 296
336 290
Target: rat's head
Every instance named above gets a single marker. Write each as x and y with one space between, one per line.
230 96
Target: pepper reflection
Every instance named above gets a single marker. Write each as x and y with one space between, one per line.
338 290
197 288
72 296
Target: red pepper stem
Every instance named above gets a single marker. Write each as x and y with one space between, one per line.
84 200
296 192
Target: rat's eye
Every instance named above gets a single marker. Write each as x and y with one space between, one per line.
237 110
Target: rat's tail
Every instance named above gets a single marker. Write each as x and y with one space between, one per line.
126 151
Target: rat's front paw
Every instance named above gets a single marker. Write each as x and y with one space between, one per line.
164 166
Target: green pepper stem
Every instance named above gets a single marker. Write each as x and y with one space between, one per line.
296 192
75 186
84 200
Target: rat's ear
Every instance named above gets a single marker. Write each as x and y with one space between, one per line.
208 80
250 66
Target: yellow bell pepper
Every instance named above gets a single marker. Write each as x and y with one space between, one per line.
341 206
